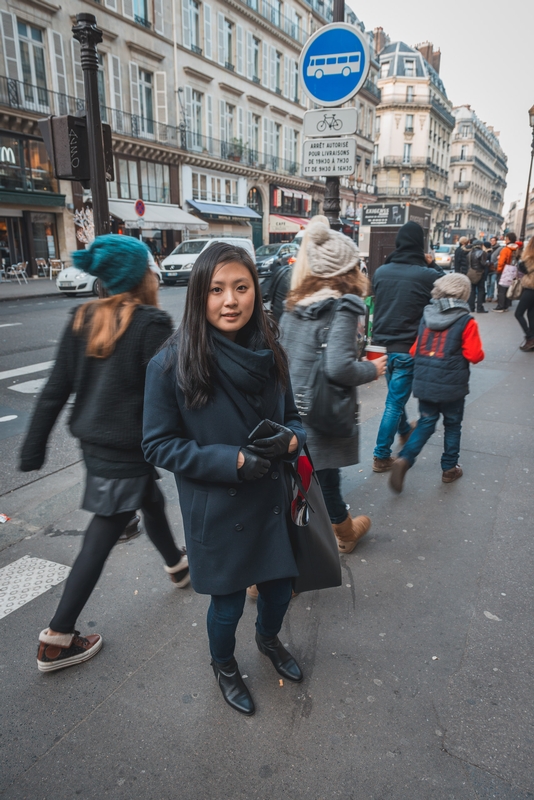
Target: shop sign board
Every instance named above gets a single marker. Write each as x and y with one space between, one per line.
334 64
384 214
330 122
325 157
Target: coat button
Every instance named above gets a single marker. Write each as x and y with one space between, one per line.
238 527
232 492
276 510
275 476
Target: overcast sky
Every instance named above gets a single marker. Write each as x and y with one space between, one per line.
487 60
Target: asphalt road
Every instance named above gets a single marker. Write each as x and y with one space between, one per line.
29 334
418 669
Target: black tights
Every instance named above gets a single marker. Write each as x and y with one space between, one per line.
526 305
100 538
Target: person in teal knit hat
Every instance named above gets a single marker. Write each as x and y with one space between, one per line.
102 359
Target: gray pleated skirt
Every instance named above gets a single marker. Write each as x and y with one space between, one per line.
109 496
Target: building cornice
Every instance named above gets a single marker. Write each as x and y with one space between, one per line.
43 5
254 16
195 73
144 51
280 111
226 87
257 101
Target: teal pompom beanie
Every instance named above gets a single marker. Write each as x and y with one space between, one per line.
119 261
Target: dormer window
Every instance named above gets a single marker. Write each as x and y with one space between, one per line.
384 69
409 68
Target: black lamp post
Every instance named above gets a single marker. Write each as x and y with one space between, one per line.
86 32
525 210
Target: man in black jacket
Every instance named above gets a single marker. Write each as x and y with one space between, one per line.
477 261
460 255
402 288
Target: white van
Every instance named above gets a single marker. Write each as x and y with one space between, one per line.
176 268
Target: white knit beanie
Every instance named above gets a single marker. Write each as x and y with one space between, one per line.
452 285
330 253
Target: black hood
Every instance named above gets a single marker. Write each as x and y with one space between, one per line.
409 246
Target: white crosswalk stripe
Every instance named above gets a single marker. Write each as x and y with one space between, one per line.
14 373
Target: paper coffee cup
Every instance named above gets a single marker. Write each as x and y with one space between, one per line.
373 351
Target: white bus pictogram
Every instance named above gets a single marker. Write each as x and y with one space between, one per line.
343 64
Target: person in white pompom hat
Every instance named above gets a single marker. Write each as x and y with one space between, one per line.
326 304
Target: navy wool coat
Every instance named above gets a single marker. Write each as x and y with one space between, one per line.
236 531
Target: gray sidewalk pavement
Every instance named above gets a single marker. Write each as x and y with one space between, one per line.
36 287
418 673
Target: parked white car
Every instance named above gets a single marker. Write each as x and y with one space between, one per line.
72 281
178 265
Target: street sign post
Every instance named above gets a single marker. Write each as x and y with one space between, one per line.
334 64
140 208
327 122
329 157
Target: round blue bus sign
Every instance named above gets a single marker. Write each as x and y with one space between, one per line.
334 63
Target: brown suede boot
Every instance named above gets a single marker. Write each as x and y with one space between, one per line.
350 531
450 475
383 464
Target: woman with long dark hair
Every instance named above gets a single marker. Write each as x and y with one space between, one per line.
102 358
220 376
525 305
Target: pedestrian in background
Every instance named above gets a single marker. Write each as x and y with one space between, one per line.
460 255
327 306
102 358
219 376
507 258
476 272
402 288
526 298
491 283
447 342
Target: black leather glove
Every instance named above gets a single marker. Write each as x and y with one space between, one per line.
255 466
273 446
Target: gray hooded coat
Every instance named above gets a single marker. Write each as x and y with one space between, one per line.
302 331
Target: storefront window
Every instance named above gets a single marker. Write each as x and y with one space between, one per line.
44 235
39 167
128 180
11 172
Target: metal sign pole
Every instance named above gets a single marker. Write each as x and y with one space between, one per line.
86 32
332 202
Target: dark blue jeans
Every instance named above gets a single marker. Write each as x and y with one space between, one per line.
453 414
399 377
330 480
226 610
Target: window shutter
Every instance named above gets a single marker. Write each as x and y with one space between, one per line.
208 52
57 61
249 129
159 20
128 9
272 83
250 56
186 26
265 124
11 51
272 139
240 125
222 120
294 81
220 53
116 92
286 145
188 107
265 64
79 88
209 121
240 60
286 65
160 79
134 89
111 4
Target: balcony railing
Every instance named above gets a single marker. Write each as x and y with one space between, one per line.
372 89
419 100
459 186
273 15
412 191
142 21
27 97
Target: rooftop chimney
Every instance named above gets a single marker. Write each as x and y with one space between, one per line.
381 40
429 54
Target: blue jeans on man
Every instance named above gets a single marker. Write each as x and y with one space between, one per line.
399 377
453 413
490 285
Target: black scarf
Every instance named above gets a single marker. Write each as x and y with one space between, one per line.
249 371
410 246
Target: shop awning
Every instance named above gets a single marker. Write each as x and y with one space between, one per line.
281 224
217 210
157 217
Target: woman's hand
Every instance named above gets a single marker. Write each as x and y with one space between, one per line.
254 466
380 364
276 445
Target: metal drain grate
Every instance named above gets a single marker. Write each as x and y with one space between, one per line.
27 578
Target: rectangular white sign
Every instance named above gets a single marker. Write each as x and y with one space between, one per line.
329 157
330 122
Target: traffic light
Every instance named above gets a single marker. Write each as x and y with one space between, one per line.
65 139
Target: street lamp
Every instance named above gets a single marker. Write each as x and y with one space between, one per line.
525 210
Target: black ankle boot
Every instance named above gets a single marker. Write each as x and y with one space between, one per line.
233 687
283 662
